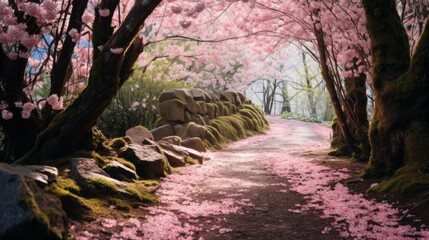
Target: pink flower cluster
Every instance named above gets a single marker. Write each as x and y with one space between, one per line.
74 34
55 102
27 108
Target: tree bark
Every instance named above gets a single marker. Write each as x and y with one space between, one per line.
357 116
390 50
399 133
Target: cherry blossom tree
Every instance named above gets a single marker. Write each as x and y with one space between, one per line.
334 33
42 42
63 62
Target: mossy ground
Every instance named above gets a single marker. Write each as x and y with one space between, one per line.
101 198
410 179
104 201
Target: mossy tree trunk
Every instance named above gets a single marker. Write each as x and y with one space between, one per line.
355 109
399 132
107 75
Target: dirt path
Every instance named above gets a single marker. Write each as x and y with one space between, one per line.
281 185
270 216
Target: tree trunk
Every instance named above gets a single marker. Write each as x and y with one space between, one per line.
330 86
399 133
19 134
357 116
309 89
286 101
339 145
75 122
328 115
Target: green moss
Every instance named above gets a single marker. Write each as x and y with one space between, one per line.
124 162
104 185
236 123
141 194
28 201
75 207
68 184
409 179
225 129
220 109
147 183
260 116
44 208
215 138
160 122
117 143
191 161
256 122
343 151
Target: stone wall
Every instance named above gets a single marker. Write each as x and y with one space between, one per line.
217 117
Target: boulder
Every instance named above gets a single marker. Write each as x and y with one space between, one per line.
148 160
43 175
202 108
206 119
191 105
173 94
174 153
197 118
226 96
194 143
212 95
198 94
138 134
191 129
176 140
188 116
150 142
119 171
162 131
172 110
86 172
184 150
241 97
210 110
192 153
230 107
176 159
27 211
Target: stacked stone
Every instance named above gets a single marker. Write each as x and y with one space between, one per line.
188 113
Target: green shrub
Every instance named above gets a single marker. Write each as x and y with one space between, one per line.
135 104
296 116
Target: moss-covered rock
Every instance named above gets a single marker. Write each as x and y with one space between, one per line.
139 133
28 211
120 172
222 117
148 159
